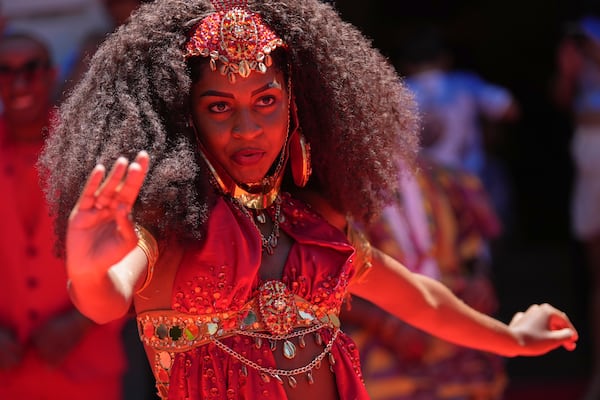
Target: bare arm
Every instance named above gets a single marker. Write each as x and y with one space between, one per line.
103 263
429 305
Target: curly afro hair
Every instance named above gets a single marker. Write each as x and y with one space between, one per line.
352 106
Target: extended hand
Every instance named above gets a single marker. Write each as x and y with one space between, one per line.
100 231
543 328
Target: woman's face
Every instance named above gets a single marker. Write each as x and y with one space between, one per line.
243 124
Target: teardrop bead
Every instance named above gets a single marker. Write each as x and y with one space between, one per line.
292 381
301 342
289 350
331 358
318 338
310 378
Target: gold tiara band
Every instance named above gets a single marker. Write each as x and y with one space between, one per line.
236 40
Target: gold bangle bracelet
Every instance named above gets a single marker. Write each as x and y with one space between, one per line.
149 246
364 253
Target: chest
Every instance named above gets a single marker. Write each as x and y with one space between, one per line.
227 268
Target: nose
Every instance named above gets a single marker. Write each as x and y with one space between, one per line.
21 80
245 124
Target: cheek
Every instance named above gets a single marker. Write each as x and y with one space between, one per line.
43 89
211 135
278 122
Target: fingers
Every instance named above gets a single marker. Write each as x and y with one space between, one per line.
517 317
88 198
559 322
129 188
566 337
110 187
119 190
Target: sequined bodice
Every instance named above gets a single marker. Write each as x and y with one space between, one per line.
221 274
218 295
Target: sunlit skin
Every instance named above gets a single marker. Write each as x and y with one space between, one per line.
243 125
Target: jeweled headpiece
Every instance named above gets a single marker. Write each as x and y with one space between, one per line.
236 39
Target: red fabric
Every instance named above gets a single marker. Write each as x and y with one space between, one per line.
221 274
33 290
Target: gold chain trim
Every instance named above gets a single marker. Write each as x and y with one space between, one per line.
269 336
276 372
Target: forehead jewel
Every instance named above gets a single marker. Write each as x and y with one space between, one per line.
236 40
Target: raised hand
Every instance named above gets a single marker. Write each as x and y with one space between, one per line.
100 231
542 328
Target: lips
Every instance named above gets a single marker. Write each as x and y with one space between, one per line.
247 157
21 102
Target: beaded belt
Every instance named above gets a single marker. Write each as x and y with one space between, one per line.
274 310
274 314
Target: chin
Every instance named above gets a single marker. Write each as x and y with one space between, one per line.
249 178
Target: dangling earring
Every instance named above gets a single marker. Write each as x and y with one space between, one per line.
299 151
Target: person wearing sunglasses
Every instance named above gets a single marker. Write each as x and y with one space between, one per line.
48 349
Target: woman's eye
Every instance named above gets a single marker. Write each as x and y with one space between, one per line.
218 107
266 101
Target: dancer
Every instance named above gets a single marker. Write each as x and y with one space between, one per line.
235 258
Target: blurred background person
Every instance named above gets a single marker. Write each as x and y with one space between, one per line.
441 225
454 105
63 24
577 89
438 227
48 350
73 30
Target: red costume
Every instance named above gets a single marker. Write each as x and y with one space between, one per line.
216 293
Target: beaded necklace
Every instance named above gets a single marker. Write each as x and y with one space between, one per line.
258 216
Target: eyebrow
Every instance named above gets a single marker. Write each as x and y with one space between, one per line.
270 85
216 93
